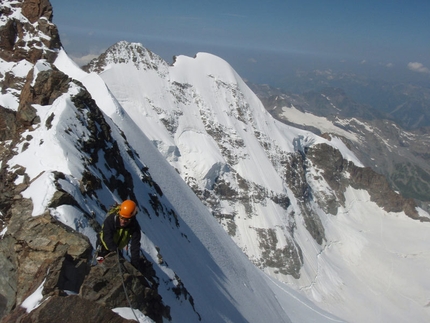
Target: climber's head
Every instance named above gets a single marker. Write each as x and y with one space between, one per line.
127 210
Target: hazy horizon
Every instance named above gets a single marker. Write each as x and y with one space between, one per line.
263 43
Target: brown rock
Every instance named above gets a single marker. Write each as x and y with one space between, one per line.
34 9
42 245
12 44
334 167
69 309
105 285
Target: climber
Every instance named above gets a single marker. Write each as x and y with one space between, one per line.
119 228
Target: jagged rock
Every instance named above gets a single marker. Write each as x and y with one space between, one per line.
105 285
381 192
7 124
14 32
334 167
15 47
49 85
48 251
332 164
44 249
8 278
8 189
35 9
295 175
287 260
70 309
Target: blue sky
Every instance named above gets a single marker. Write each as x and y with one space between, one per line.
256 35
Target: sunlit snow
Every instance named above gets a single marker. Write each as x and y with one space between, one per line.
372 267
352 274
33 301
295 116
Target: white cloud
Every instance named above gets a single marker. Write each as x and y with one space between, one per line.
83 60
418 67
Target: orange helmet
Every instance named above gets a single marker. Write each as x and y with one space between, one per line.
128 209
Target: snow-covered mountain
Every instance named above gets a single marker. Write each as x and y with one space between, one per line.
302 207
316 226
64 162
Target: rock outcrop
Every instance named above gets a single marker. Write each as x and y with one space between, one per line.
105 285
340 173
44 250
20 38
71 309
36 250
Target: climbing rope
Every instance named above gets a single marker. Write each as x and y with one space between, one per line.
123 286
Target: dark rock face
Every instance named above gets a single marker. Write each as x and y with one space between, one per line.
382 194
13 48
33 10
70 309
49 86
65 266
37 19
287 260
40 245
12 42
334 168
105 285
7 124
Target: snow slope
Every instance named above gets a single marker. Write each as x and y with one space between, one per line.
224 285
372 265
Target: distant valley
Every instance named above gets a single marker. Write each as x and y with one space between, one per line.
387 125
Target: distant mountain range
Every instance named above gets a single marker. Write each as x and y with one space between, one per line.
380 141
403 101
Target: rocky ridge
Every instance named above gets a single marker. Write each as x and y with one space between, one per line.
45 251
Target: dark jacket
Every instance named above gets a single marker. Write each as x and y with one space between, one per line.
114 237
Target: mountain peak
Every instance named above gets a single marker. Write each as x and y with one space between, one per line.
125 52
